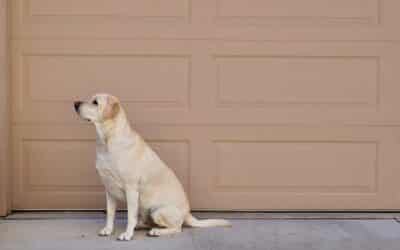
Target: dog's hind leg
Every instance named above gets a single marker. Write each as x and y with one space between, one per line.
169 218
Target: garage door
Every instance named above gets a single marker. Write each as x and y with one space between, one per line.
255 104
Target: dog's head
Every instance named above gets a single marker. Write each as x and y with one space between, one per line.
99 108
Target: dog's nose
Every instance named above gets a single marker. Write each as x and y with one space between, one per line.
77 105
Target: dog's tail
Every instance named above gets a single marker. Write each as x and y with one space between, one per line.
192 221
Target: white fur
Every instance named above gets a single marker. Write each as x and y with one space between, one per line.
131 171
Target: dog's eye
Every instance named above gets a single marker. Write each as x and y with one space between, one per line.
95 102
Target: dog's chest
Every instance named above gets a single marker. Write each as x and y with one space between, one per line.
110 175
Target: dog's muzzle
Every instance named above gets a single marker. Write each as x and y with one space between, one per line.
77 105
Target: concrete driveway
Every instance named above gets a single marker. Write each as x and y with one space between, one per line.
58 231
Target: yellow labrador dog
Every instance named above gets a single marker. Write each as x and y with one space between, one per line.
132 172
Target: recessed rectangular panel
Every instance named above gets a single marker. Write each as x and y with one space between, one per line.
65 165
59 165
297 166
141 79
297 80
366 11
123 8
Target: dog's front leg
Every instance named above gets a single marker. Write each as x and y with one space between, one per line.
132 201
111 207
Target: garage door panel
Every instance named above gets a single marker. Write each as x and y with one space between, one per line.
199 19
227 167
280 168
61 160
210 82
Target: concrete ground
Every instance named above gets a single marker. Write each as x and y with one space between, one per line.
59 231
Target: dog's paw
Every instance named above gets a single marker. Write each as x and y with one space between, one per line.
125 236
105 231
155 232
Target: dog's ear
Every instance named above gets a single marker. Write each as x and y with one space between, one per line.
112 108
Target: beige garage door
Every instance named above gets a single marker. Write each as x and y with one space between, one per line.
256 104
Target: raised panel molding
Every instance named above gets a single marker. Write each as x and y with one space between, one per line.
113 8
291 166
41 168
49 82
312 11
61 78
98 18
298 80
